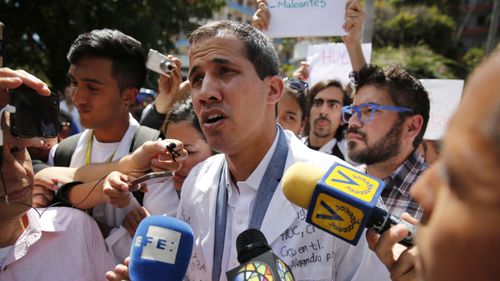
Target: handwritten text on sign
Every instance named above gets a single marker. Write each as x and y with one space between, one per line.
301 18
331 61
444 96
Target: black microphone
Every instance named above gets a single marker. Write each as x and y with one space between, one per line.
257 261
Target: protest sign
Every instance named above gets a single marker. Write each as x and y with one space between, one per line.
302 18
444 96
331 61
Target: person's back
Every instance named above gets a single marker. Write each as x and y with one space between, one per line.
61 244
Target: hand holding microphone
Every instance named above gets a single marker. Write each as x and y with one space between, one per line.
341 201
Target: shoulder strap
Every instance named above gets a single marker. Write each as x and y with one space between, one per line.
142 135
65 149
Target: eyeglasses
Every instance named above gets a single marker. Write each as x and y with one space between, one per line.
296 84
366 111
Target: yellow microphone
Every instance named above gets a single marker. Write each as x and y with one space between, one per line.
341 200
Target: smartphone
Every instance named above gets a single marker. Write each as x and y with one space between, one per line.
36 115
159 63
150 178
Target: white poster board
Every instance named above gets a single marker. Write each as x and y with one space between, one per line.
302 18
444 96
331 61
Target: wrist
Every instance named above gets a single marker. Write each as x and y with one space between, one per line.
124 163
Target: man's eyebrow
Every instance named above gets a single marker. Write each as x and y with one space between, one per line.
290 112
219 61
88 80
333 100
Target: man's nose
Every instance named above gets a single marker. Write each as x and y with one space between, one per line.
209 91
354 121
78 95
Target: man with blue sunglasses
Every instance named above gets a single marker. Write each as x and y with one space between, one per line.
386 123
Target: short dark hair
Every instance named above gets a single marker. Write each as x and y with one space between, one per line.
182 111
346 99
126 53
259 49
404 90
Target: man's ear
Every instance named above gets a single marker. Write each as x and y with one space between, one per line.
276 87
414 124
129 95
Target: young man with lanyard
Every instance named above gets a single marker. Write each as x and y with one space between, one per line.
59 243
387 121
235 88
106 72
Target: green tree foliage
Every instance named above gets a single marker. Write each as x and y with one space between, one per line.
473 57
448 7
420 61
39 33
401 25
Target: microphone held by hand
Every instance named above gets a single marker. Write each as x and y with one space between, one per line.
161 249
341 201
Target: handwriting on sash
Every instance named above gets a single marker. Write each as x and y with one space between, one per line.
195 262
310 251
306 254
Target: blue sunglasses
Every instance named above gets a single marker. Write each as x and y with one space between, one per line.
366 111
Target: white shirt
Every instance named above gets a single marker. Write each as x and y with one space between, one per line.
318 255
327 148
240 206
64 244
3 253
160 199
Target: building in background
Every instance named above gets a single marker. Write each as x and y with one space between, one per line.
479 18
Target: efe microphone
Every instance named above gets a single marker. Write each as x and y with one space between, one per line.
161 249
341 201
257 260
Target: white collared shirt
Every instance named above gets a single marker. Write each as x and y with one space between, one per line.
240 205
64 244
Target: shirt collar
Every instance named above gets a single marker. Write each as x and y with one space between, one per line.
405 175
33 232
256 177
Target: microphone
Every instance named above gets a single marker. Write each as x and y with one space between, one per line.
257 260
161 249
341 201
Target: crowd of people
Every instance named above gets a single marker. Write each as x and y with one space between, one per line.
234 127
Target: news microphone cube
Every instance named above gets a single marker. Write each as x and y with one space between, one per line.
266 266
343 201
161 249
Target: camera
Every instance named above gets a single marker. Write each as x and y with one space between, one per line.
159 63
35 115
